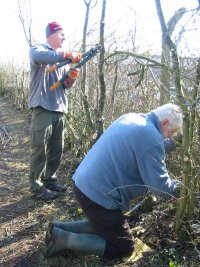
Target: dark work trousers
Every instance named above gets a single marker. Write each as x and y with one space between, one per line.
109 224
47 143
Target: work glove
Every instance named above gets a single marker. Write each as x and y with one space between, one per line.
74 57
72 75
178 138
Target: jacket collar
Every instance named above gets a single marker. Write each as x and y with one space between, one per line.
154 119
48 45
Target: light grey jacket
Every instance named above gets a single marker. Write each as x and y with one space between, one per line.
41 57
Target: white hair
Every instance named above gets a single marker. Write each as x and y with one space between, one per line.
171 112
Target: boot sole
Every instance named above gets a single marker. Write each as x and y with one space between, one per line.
51 242
47 200
48 233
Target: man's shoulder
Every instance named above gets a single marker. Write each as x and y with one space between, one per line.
148 132
39 46
132 117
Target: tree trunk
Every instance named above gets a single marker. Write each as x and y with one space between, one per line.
84 70
185 205
99 119
165 57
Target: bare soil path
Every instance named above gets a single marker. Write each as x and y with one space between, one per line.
16 221
23 220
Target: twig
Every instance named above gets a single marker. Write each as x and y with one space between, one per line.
4 136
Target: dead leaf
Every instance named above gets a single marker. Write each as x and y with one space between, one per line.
140 248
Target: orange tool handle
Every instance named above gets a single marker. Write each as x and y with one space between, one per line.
55 86
52 68
61 64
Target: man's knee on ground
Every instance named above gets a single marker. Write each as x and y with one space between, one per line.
122 249
127 249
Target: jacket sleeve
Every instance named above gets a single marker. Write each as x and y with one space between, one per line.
170 145
42 55
154 174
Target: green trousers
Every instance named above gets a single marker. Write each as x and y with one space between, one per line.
47 143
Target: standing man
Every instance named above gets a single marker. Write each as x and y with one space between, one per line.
48 112
127 160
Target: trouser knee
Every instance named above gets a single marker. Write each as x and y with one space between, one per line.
127 250
122 249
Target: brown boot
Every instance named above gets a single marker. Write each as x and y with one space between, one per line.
45 194
56 188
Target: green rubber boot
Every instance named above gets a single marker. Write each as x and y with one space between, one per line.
82 226
61 241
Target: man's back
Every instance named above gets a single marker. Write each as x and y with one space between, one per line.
115 170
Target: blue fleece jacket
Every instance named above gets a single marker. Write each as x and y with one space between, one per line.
126 160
